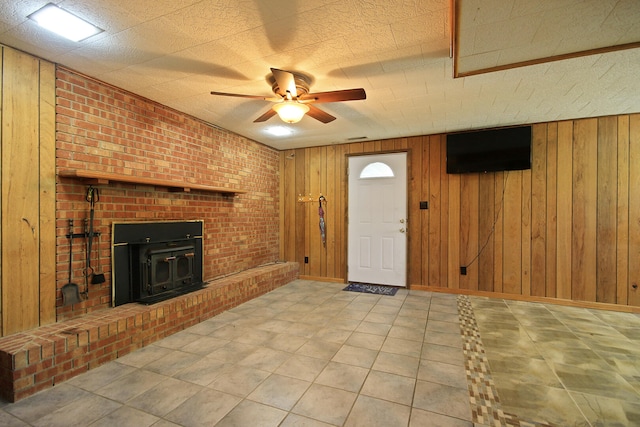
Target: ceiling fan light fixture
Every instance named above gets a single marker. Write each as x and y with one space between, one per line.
291 111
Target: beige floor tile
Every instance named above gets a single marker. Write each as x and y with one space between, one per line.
391 387
173 363
164 397
302 367
372 412
442 373
442 399
279 391
125 388
239 381
397 364
402 346
326 404
41 404
143 356
126 416
443 353
204 345
266 359
343 376
286 342
83 411
374 328
356 356
101 376
204 371
319 349
370 341
253 414
295 420
336 358
232 352
420 418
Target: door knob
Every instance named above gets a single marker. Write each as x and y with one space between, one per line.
402 230
402 221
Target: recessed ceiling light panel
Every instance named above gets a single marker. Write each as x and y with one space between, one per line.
279 131
64 23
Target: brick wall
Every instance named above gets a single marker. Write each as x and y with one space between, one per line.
102 128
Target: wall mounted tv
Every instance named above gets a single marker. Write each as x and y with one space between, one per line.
489 150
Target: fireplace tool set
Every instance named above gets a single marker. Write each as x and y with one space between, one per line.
70 291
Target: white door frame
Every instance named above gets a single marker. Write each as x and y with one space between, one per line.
400 278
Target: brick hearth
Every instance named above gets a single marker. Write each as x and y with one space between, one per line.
41 358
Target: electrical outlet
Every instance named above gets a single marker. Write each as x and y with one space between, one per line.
463 270
306 260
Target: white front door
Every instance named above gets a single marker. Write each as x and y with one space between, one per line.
377 245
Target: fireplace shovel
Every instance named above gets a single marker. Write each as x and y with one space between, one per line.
70 293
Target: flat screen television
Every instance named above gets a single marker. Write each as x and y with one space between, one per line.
489 150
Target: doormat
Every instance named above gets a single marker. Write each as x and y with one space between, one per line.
371 289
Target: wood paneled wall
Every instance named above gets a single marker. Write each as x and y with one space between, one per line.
28 268
568 228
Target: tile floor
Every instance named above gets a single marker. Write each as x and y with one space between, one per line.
310 354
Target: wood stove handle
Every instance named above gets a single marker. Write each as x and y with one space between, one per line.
169 258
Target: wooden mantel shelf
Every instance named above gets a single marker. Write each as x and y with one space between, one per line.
91 177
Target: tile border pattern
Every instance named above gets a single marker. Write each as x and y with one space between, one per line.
483 395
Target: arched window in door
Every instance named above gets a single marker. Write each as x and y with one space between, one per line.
376 170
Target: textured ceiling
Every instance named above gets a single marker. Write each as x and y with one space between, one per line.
176 51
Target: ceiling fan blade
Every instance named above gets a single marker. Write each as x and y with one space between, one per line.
286 82
335 96
320 115
266 116
239 95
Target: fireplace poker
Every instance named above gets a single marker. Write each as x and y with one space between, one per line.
92 198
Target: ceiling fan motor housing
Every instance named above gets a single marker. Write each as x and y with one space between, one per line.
302 85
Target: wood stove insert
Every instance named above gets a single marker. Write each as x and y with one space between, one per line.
155 261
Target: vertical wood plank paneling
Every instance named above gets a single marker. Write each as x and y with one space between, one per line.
453 232
469 195
20 188
444 214
315 243
551 210
622 212
583 260
289 202
434 213
47 194
498 243
486 231
300 209
564 209
344 150
548 220
1 184
607 169
539 210
330 211
512 234
416 220
634 209
525 233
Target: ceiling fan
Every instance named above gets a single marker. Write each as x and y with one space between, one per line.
293 99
